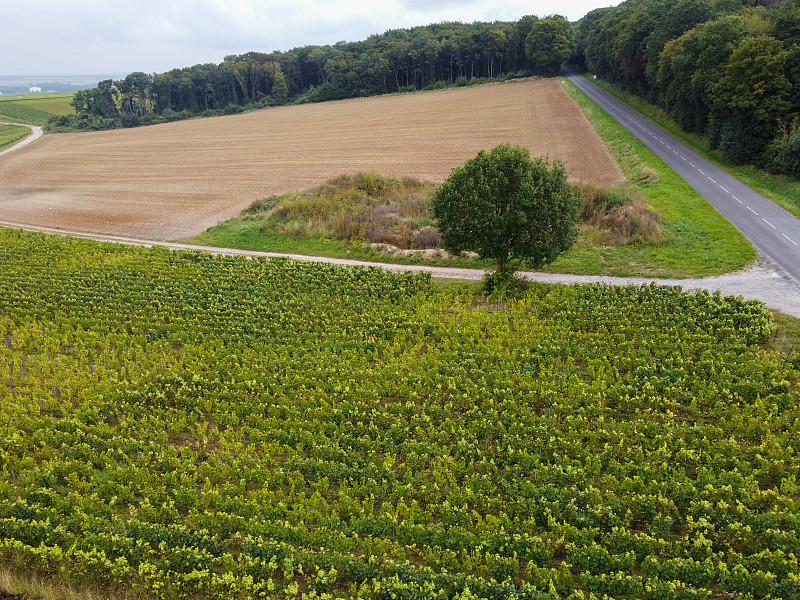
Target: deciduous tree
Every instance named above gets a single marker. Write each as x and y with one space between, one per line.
507 207
751 99
549 44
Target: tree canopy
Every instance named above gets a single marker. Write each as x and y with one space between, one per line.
726 69
508 207
549 44
399 60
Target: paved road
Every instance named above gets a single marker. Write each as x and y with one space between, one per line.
760 282
36 133
772 230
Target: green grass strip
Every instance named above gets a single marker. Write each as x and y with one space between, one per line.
11 134
702 243
781 189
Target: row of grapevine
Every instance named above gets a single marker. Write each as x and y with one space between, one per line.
179 425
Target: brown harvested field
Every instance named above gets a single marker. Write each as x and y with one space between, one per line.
175 180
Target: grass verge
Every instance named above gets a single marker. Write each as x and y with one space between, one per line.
781 189
237 233
697 241
37 110
11 134
701 243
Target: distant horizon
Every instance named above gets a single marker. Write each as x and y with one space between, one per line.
21 76
75 38
21 84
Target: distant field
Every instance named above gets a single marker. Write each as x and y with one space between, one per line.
10 134
38 109
175 180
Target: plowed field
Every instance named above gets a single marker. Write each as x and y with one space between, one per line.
174 180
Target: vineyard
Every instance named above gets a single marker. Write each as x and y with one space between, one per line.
36 109
11 134
179 425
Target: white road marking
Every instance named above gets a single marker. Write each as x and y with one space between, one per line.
724 190
711 180
788 238
691 165
752 211
735 198
683 158
768 223
699 171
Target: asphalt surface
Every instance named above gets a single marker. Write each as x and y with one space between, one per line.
777 286
773 231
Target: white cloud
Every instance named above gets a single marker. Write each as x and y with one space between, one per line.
90 36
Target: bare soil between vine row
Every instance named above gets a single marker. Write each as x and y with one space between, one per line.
175 180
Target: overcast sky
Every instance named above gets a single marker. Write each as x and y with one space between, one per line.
97 36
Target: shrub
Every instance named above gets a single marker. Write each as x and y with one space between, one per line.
596 200
619 216
783 155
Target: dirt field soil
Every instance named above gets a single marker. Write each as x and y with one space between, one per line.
175 180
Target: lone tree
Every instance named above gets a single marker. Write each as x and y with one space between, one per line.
507 207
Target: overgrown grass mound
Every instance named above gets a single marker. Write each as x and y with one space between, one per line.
177 425
366 207
619 217
394 214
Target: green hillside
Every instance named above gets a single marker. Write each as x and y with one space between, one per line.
176 425
37 109
11 134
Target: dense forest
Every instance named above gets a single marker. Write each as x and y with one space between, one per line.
725 69
396 61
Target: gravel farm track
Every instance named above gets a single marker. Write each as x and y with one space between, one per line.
762 281
172 181
148 185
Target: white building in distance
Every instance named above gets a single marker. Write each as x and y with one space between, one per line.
35 89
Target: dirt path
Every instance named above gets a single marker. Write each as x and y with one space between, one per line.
174 180
36 133
762 281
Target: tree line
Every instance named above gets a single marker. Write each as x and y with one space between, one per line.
398 60
725 69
